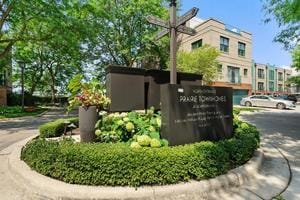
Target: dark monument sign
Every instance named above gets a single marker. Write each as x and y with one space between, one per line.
192 113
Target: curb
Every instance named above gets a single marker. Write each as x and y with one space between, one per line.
37 186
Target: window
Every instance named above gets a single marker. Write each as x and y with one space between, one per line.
280 88
264 97
224 44
245 72
220 69
288 76
271 86
280 77
271 74
2 78
241 49
261 73
261 86
254 97
234 74
197 44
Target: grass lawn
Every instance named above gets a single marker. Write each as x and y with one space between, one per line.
16 111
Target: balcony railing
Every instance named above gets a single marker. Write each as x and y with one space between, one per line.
236 79
232 29
261 88
261 76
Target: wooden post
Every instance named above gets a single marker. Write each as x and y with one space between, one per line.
173 47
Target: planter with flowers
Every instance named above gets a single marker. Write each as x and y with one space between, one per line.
91 99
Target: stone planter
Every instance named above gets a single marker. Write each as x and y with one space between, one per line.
87 121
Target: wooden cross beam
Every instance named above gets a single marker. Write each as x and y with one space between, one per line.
173 27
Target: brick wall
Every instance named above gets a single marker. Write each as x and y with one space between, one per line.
3 97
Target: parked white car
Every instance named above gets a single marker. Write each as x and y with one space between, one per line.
266 101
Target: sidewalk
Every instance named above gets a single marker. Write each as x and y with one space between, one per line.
271 180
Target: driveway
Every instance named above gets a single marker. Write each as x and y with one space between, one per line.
281 128
14 130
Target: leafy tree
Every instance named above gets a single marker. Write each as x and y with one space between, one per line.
287 15
296 57
52 62
200 61
15 15
122 35
294 80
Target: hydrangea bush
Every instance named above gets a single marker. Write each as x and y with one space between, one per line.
137 128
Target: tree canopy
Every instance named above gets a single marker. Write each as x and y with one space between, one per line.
287 15
122 34
200 61
296 57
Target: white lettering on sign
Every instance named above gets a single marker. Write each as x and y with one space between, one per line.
201 99
205 91
189 99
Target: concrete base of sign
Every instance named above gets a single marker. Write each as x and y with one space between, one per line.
38 186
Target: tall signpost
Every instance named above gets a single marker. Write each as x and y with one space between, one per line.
190 113
173 27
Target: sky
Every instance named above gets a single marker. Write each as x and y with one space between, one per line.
246 15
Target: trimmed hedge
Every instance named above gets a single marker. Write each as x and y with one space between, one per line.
55 128
118 164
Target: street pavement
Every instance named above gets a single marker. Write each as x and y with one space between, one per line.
281 129
12 131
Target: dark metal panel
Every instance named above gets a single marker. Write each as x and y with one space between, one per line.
125 88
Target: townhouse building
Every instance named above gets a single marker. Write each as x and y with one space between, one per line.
235 58
270 80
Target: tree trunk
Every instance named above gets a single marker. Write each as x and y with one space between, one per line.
52 83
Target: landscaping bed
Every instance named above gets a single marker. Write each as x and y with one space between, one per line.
113 162
16 111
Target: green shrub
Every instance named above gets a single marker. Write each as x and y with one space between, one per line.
55 128
119 164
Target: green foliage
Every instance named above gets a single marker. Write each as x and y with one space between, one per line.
123 35
16 111
121 127
287 15
17 16
296 58
118 164
294 80
200 61
55 128
87 93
